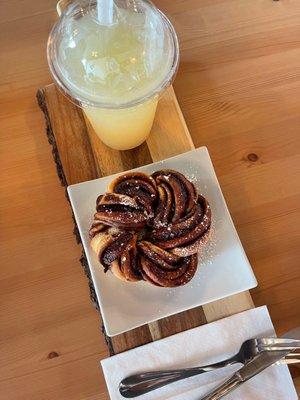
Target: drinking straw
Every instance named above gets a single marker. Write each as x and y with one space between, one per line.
105 11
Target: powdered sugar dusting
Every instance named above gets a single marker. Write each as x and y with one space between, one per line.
207 253
128 210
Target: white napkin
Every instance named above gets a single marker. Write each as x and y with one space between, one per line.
200 346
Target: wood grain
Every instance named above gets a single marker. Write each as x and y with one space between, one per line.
96 156
168 128
238 87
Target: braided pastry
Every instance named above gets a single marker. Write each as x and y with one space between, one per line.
151 228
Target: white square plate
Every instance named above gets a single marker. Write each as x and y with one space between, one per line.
223 268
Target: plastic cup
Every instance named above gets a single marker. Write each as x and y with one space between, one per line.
116 72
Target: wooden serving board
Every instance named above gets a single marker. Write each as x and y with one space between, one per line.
81 156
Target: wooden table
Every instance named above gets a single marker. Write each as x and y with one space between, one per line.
239 89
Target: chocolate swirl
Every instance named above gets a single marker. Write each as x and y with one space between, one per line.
151 228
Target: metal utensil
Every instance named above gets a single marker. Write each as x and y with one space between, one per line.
279 344
291 358
289 361
138 384
248 371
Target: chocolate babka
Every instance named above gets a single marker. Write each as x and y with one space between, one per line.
151 228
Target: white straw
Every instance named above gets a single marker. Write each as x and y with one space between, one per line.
105 11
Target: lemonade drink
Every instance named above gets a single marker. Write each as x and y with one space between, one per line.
123 128
115 72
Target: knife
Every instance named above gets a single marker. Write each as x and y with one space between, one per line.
248 371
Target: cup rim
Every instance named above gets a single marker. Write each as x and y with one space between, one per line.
82 101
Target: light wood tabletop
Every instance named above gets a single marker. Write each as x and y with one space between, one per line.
239 88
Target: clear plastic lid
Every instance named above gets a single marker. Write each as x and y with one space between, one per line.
113 60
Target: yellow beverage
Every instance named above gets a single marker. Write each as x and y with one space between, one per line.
123 128
117 71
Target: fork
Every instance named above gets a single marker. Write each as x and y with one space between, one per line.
290 359
138 384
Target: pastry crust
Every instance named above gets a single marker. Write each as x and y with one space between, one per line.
151 228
